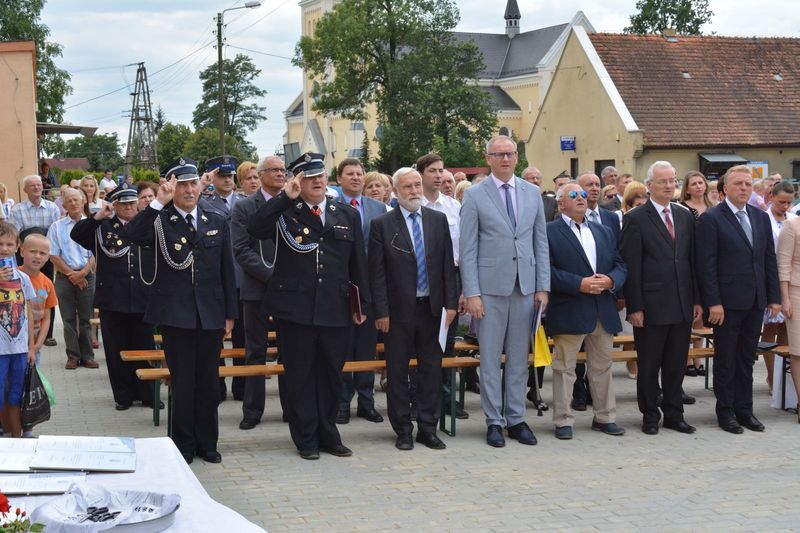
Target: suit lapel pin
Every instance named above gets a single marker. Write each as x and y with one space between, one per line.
178 247
173 218
116 225
333 207
203 218
298 206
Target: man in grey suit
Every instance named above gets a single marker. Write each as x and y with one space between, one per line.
255 259
350 173
505 269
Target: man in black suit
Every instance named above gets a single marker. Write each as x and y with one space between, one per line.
192 298
412 278
661 296
319 258
534 176
119 293
255 259
738 278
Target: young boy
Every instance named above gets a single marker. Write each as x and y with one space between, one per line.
16 332
35 252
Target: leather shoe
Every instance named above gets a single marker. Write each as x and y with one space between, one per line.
149 405
494 436
687 400
731 426
473 387
609 428
650 429
578 405
430 440
750 422
522 432
90 363
461 414
339 450
248 424
72 364
188 457
343 417
404 442
210 457
564 433
122 406
680 426
309 455
369 414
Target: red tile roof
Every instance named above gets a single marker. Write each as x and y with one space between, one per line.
69 163
707 91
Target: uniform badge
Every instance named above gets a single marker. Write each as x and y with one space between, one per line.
116 225
119 243
183 240
181 161
204 218
298 206
305 231
212 232
298 239
177 247
333 207
173 218
307 158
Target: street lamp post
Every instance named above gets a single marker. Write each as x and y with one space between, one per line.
247 5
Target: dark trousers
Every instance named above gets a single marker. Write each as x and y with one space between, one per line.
256 327
75 306
362 348
237 341
313 359
404 340
126 331
192 356
735 344
661 349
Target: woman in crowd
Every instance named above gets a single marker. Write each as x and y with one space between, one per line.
374 186
7 202
146 192
247 173
91 191
789 276
694 196
461 188
608 193
775 328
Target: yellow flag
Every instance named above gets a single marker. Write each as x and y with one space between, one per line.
541 350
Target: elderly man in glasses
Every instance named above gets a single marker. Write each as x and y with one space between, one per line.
585 272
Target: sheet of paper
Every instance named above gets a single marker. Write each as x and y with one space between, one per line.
86 461
87 444
51 483
443 329
16 454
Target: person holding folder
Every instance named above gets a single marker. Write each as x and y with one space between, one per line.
413 282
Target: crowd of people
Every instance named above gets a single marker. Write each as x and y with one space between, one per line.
333 270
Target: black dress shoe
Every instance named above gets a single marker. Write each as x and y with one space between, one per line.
650 429
687 400
149 405
494 436
404 442
473 387
248 424
522 432
430 440
369 414
122 406
750 422
210 457
339 450
578 405
731 426
680 426
309 455
691 371
188 457
343 417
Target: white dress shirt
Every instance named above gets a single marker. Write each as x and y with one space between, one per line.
585 237
451 209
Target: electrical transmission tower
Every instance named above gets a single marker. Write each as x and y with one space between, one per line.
141 147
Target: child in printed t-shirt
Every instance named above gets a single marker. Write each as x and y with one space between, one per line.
16 332
35 252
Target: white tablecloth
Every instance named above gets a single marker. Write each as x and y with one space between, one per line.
161 468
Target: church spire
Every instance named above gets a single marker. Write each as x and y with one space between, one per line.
512 17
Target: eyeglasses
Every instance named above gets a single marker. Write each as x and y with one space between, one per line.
574 194
274 170
502 155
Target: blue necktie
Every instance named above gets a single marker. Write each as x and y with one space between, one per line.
510 205
419 251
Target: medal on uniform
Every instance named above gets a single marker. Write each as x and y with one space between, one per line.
333 207
212 232
204 218
298 239
183 240
173 218
305 231
177 247
116 225
298 206
119 243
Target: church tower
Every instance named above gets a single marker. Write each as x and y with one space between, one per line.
512 17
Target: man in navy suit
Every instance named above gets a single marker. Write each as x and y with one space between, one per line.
350 173
586 270
738 278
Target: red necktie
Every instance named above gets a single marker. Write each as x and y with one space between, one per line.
315 210
354 203
668 220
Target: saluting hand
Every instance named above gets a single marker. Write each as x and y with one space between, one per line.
166 191
106 211
292 186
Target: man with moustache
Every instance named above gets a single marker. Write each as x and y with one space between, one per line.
192 298
255 259
318 288
350 174
119 293
412 278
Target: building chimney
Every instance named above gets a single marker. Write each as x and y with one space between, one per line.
512 17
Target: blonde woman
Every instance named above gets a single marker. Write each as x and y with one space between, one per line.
247 173
374 186
461 188
91 191
7 202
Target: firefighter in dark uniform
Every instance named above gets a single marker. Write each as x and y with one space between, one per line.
221 170
119 293
319 253
192 298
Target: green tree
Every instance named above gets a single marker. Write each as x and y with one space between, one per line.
686 17
102 150
399 55
170 142
20 21
204 144
159 119
238 75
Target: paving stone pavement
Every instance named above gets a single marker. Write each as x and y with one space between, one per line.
710 480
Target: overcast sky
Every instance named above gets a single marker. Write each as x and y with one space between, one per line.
102 38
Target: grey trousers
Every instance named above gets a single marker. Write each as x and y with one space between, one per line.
507 322
75 306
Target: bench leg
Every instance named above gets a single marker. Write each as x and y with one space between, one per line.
169 409
157 400
784 369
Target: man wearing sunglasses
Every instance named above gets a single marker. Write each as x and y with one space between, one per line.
586 270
